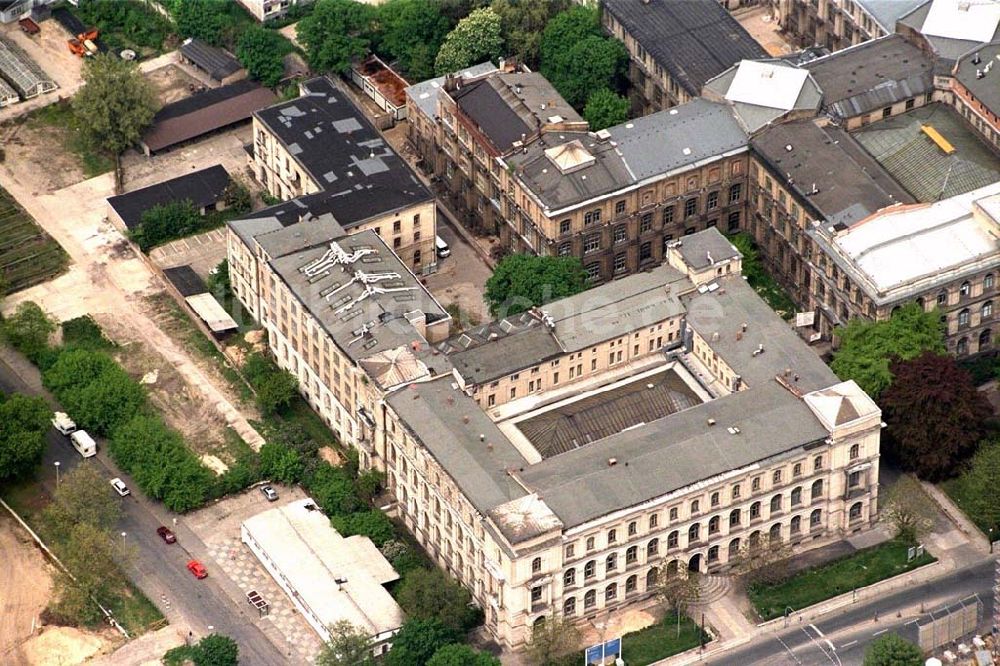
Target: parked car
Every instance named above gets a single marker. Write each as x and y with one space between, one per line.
120 487
270 493
166 534
197 569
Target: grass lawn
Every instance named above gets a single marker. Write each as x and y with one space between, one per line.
59 116
27 254
661 640
829 580
960 493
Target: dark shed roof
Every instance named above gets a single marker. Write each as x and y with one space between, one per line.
202 188
217 62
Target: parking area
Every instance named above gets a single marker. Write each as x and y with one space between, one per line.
49 50
202 252
461 277
225 148
219 527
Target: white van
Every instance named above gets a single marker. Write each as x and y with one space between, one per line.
83 443
442 248
63 423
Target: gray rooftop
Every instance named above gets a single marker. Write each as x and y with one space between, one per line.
462 438
947 49
850 184
986 89
887 12
361 325
423 96
705 248
505 354
215 61
872 75
754 117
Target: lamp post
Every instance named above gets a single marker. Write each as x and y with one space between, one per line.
123 544
57 463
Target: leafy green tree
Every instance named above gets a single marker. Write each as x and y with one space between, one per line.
369 483
372 523
107 402
418 640
523 22
892 650
75 369
335 33
475 39
605 109
236 196
411 31
552 641
24 421
462 655
523 281
115 104
28 329
678 588
333 489
348 646
217 22
431 594
907 509
281 463
866 348
983 491
935 415
126 24
577 58
217 650
262 51
276 391
82 498
164 222
90 555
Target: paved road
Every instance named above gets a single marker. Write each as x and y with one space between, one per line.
199 606
842 638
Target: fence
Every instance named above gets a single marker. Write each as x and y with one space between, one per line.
948 624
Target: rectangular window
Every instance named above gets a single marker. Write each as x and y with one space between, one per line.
668 215
690 207
645 251
397 227
735 192
713 200
619 263
645 223
592 243
733 222
621 233
564 227
620 207
593 271
565 249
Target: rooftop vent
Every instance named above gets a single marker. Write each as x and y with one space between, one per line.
711 422
612 462
733 430
555 119
686 151
603 135
759 350
570 157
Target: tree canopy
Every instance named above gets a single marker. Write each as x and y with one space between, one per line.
418 640
577 58
348 646
907 509
411 32
475 39
982 489
335 33
604 109
523 22
23 423
430 594
892 650
281 463
217 22
934 413
462 655
28 329
523 281
262 51
115 104
867 348
552 640
372 523
82 498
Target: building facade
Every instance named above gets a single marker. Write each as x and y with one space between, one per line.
269 10
838 24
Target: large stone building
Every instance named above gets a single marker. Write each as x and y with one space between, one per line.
675 47
270 10
320 153
664 421
838 24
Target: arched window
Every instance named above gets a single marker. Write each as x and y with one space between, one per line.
672 539
590 543
611 592
651 577
569 578
855 513
653 546
695 507
611 563
755 511
631 584
631 555
987 312
569 606
855 452
815 518
713 525
734 548
589 569
776 504
589 599
963 347
817 489
694 532
796 495
796 525
754 540
965 289
536 565
734 517
963 317
672 568
713 554
985 339
539 622
774 534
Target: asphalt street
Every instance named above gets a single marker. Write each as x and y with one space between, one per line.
843 637
159 570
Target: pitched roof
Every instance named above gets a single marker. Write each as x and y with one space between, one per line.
694 40
202 188
424 95
215 61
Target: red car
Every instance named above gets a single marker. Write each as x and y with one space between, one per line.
166 534
197 568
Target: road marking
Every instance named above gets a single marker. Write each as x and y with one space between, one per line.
816 629
879 632
788 649
848 644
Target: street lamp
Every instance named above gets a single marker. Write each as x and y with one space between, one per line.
56 463
123 544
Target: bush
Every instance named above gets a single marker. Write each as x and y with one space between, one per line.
85 333
431 593
24 421
274 388
333 489
28 330
280 463
165 222
372 523
418 640
98 394
369 484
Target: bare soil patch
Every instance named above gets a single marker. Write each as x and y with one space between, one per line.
39 152
25 584
172 83
61 646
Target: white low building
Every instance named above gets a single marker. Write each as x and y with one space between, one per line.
329 578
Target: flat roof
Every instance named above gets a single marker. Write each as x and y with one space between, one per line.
215 61
209 311
946 47
962 19
706 248
986 90
312 557
185 280
850 184
202 188
760 111
462 438
694 40
887 12
424 95
767 84
206 112
383 78
361 175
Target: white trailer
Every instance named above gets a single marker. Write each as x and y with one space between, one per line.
83 443
63 423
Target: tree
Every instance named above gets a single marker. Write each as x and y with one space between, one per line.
262 51
23 423
281 463
333 489
908 509
866 348
983 491
276 391
892 650
202 19
107 402
411 31
217 650
604 109
935 415
28 329
373 524
91 555
577 58
523 22
523 281
677 588
369 483
336 33
115 104
82 498
165 222
462 655
552 640
74 369
418 640
475 39
427 594
348 646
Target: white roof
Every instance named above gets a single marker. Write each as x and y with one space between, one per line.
311 556
972 20
899 245
841 404
213 314
767 84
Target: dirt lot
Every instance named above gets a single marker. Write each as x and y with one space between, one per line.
25 581
39 149
171 83
48 49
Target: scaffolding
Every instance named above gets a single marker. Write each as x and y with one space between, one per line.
22 73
